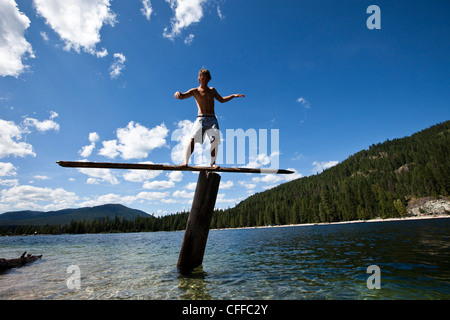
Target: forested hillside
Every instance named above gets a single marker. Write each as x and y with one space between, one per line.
372 183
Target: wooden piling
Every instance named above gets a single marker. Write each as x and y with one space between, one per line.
199 221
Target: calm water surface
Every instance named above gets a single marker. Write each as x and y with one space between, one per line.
305 262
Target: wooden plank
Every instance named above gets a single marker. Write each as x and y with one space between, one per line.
145 166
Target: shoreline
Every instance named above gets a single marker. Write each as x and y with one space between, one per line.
424 217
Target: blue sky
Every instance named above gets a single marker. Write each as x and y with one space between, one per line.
94 80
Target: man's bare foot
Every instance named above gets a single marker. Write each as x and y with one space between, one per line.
183 165
215 166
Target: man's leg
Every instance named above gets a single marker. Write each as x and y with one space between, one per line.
214 150
188 152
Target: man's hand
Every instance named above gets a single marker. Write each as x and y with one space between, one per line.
239 95
177 95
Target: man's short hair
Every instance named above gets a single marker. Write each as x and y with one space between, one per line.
204 72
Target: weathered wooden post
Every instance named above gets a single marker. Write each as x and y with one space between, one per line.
199 221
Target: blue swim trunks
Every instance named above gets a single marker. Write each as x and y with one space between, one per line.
206 124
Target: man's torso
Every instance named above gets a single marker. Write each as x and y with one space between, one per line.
205 100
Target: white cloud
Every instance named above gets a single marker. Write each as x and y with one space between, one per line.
87 150
293 176
10 144
14 48
263 159
117 66
53 115
11 135
42 126
247 185
171 201
44 36
34 198
7 169
221 199
191 185
320 166
226 185
146 9
41 177
158 185
269 179
99 175
186 13
135 141
93 137
152 196
189 39
219 13
77 22
101 54
141 175
183 194
297 156
267 187
304 103
109 149
175 176
9 183
108 198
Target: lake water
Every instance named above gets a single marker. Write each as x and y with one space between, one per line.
289 263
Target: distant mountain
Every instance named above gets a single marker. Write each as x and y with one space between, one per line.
63 217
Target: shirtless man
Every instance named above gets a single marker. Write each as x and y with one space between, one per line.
206 119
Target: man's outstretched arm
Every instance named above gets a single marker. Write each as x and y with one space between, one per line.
227 98
181 96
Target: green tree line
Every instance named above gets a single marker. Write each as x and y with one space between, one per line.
104 225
